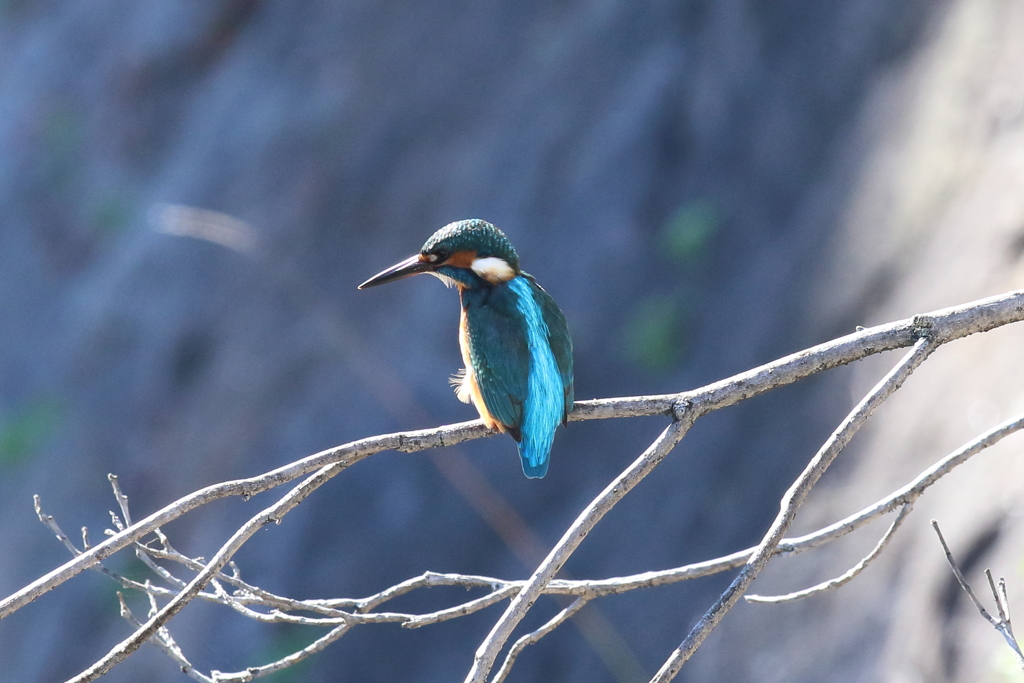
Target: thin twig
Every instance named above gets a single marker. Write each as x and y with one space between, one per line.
342 456
465 608
488 651
1002 624
141 550
50 523
844 578
122 500
426 580
960 577
1004 602
270 514
907 494
164 641
156 622
533 637
332 616
246 593
254 672
793 499
591 588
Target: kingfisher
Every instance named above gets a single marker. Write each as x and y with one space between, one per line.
513 337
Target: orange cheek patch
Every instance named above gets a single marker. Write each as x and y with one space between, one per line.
461 259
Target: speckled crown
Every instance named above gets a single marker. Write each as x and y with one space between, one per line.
473 235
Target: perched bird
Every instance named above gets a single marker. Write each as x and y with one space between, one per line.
513 336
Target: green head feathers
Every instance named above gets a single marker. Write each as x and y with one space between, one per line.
472 235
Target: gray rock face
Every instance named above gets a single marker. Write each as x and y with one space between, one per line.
702 186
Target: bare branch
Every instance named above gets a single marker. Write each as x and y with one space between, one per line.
50 523
501 589
960 577
791 502
1002 624
995 594
593 588
254 672
249 593
908 494
488 651
164 641
122 500
944 325
844 578
1003 601
341 456
466 608
270 514
925 332
531 638
425 581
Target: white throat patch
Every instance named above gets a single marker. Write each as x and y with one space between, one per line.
493 269
448 282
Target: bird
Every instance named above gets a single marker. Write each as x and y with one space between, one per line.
514 340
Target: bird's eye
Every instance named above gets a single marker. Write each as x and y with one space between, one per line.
438 256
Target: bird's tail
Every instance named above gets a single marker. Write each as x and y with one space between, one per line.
535 454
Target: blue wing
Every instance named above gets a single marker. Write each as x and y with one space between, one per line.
499 352
545 406
521 354
558 338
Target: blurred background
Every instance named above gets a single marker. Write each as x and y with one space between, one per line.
702 185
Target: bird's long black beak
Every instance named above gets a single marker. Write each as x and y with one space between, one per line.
410 266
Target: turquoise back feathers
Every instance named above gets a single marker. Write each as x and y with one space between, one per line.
514 338
521 356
